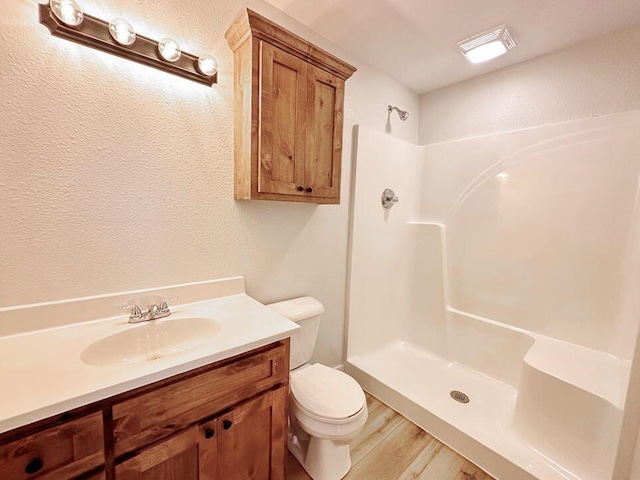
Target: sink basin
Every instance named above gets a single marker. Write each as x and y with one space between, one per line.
150 341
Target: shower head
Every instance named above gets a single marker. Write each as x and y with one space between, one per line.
401 113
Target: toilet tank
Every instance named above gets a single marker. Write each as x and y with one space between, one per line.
305 311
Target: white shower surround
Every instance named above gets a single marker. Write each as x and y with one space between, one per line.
435 305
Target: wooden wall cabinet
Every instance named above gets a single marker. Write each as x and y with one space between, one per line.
289 103
226 421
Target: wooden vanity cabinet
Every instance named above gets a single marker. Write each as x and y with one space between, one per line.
289 103
225 421
248 442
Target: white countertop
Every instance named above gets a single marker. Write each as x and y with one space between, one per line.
42 373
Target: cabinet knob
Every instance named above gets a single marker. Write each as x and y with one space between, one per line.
300 188
209 433
34 465
309 189
227 424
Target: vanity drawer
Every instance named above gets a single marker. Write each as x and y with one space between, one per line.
63 451
159 413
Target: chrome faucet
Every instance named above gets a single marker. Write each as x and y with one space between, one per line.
153 312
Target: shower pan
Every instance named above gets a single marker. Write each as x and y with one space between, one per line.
505 318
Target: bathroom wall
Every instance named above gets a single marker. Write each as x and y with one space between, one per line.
382 257
524 209
116 176
590 79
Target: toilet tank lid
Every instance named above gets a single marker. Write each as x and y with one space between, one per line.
298 309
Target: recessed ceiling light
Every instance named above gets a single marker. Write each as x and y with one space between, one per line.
487 45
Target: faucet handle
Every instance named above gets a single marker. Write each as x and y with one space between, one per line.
164 307
135 311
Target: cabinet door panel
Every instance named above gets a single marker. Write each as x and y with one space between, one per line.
283 94
323 160
208 436
252 439
172 459
61 451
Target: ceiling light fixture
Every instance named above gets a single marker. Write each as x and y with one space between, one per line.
487 45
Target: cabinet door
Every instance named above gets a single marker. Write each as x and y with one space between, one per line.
252 439
283 94
185 456
62 451
323 159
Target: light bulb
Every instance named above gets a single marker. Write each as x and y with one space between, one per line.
122 31
67 11
169 49
207 65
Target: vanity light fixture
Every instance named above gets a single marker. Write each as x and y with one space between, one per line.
488 45
122 31
65 19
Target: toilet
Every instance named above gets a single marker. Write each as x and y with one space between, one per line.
327 407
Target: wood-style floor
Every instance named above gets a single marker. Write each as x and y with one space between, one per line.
390 447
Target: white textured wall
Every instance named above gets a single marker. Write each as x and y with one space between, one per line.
591 79
115 176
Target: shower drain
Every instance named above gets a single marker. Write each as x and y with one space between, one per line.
459 396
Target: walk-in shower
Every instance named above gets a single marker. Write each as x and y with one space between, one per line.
496 305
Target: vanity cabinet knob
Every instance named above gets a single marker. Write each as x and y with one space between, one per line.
227 424
309 189
34 466
300 188
209 433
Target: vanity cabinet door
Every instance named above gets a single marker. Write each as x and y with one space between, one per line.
62 451
252 438
177 458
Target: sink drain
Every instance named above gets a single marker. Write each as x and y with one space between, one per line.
459 396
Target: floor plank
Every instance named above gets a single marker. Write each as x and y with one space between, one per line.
445 464
392 455
416 469
381 422
469 471
390 447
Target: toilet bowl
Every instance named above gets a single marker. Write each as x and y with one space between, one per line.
327 407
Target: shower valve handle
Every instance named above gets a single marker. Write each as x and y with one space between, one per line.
389 198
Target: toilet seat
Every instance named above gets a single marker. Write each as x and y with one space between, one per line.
326 394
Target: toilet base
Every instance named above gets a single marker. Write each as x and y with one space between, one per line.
323 459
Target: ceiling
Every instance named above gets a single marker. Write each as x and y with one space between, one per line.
414 41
